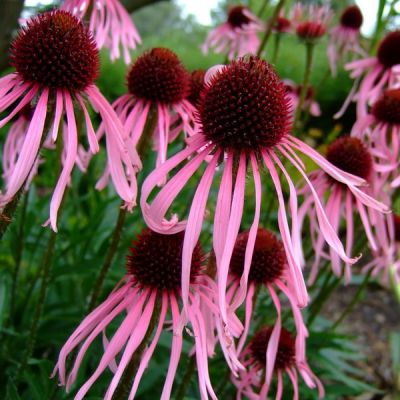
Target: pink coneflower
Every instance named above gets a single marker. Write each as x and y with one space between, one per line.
158 84
110 23
381 128
309 104
152 282
244 118
345 38
282 24
237 36
381 73
253 382
350 155
56 63
311 21
268 269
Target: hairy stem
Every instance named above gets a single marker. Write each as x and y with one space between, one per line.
142 148
112 250
270 25
18 256
306 81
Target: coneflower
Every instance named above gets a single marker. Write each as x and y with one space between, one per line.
56 62
253 382
345 37
153 281
344 202
237 36
158 87
110 23
268 269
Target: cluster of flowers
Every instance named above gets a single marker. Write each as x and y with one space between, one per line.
237 121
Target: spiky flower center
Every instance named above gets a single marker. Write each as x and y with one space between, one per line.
155 260
245 107
237 16
56 51
269 258
388 51
351 17
286 355
282 24
350 155
310 30
159 76
387 108
196 85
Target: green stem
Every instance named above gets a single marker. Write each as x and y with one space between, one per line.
46 276
142 148
355 300
184 386
122 391
6 216
379 26
276 47
18 256
112 250
262 9
306 80
270 25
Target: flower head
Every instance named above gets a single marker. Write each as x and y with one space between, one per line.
253 384
380 128
149 291
56 62
269 269
352 156
237 36
311 22
381 73
110 23
158 90
244 121
345 37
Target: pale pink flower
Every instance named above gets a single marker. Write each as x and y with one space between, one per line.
381 72
311 21
110 23
158 84
256 357
244 119
56 62
282 24
345 37
268 269
309 104
381 129
237 36
152 283
343 202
